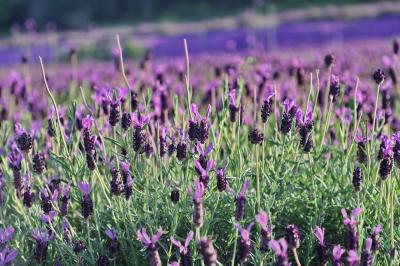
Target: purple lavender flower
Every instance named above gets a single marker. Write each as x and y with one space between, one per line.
184 251
7 256
42 242
28 196
175 196
197 196
198 126
375 237
256 136
305 125
233 109
117 186
280 248
47 199
351 237
334 88
396 148
366 255
245 243
181 148
65 197
113 244
204 173
361 149
352 258
267 107
293 236
337 253
288 115
208 252
114 116
240 200
48 217
266 230
67 235
329 60
86 203
151 245
126 121
378 76
24 139
5 235
139 136
162 142
386 157
322 251
221 178
14 160
39 163
357 177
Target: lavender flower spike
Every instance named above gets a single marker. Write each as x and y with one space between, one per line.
352 258
42 242
375 237
7 256
208 252
151 245
321 245
351 238
197 195
240 200
113 245
204 176
184 251
5 235
366 255
86 203
266 230
337 253
280 248
245 242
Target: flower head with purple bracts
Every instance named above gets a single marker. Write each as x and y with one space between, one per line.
375 237
266 230
5 235
24 139
208 252
240 200
280 248
322 251
184 251
352 258
48 217
42 242
181 147
113 244
15 158
233 109
288 115
366 255
198 125
65 197
151 245
86 203
337 253
140 121
245 242
197 196
396 148
386 157
221 178
351 237
7 256
334 88
87 122
267 107
204 172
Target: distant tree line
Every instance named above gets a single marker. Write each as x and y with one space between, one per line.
78 14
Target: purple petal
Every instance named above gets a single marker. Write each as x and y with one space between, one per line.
111 233
245 187
157 236
189 238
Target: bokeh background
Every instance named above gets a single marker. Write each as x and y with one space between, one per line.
49 28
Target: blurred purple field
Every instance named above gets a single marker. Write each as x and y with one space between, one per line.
285 36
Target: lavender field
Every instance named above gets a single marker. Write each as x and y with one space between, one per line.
206 150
